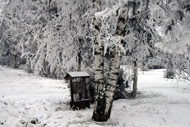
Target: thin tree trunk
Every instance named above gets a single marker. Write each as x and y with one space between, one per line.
111 83
29 68
49 7
170 69
104 99
79 60
14 61
99 82
135 78
115 63
99 68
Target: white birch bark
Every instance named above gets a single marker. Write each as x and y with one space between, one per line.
115 61
99 71
98 52
104 99
98 67
111 82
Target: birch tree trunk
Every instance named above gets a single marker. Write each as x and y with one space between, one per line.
111 83
98 68
99 82
104 99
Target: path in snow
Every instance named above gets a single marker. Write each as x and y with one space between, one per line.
28 100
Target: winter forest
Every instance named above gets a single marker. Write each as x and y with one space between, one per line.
136 53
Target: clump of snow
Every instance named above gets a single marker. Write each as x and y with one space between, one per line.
27 100
181 47
78 74
102 13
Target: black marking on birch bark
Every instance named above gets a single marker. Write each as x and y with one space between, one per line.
97 28
102 48
97 53
120 32
100 67
96 42
109 96
121 19
99 82
109 90
123 33
108 84
115 73
102 64
99 70
111 79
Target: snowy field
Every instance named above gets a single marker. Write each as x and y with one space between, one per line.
28 100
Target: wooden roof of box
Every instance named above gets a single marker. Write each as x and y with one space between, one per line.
77 74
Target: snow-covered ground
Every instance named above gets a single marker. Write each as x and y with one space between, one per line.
28 100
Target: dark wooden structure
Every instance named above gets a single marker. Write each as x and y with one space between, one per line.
79 82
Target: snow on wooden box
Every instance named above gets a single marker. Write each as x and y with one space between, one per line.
79 92
78 74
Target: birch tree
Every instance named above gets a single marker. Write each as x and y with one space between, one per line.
112 39
127 26
98 66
